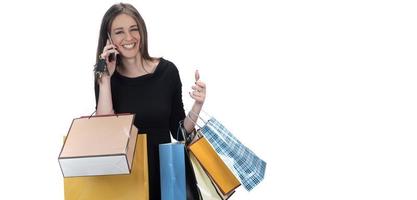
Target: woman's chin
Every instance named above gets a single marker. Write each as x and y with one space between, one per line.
129 55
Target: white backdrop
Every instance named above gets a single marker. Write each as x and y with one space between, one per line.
323 91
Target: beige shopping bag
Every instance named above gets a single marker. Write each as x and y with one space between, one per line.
133 186
99 145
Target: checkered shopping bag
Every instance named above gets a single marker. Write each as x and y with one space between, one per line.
248 167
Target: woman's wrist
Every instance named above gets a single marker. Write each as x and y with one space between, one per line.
198 105
104 80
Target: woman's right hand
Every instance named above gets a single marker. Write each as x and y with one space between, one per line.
107 50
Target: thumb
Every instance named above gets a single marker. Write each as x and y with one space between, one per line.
197 75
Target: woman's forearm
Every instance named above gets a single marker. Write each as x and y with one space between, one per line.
190 123
105 103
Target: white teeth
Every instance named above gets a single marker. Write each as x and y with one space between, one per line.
129 46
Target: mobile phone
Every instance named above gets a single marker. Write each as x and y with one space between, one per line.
112 56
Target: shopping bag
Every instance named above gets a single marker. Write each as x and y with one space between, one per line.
205 184
225 180
99 145
178 180
172 167
133 186
248 167
193 192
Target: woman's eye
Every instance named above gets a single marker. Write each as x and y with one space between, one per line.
118 32
134 29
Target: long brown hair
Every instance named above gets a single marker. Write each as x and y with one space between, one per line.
110 15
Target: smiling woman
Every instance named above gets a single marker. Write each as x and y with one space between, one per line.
125 35
125 28
137 83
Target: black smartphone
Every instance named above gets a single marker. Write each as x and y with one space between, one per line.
112 56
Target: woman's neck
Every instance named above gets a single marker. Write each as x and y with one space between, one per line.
134 67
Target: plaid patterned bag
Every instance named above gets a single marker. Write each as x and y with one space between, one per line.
248 167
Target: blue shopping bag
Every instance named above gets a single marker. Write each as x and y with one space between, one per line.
178 181
172 166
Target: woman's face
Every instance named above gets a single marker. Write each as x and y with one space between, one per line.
125 35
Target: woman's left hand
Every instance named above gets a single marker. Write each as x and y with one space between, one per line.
199 90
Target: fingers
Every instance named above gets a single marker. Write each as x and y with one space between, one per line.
106 54
196 96
197 80
112 51
107 50
191 95
198 93
197 75
197 88
108 47
201 84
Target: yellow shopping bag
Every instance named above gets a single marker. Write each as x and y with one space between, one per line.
133 186
208 190
224 179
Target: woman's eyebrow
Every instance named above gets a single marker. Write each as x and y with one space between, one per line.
121 28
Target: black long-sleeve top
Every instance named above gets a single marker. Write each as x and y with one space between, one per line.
156 99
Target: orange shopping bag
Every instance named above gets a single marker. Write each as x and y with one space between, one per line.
224 179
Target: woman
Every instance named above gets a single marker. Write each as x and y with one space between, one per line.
134 82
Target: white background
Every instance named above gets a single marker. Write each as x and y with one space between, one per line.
323 91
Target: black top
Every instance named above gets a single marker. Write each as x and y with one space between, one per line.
156 99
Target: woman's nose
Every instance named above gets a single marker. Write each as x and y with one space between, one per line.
128 36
